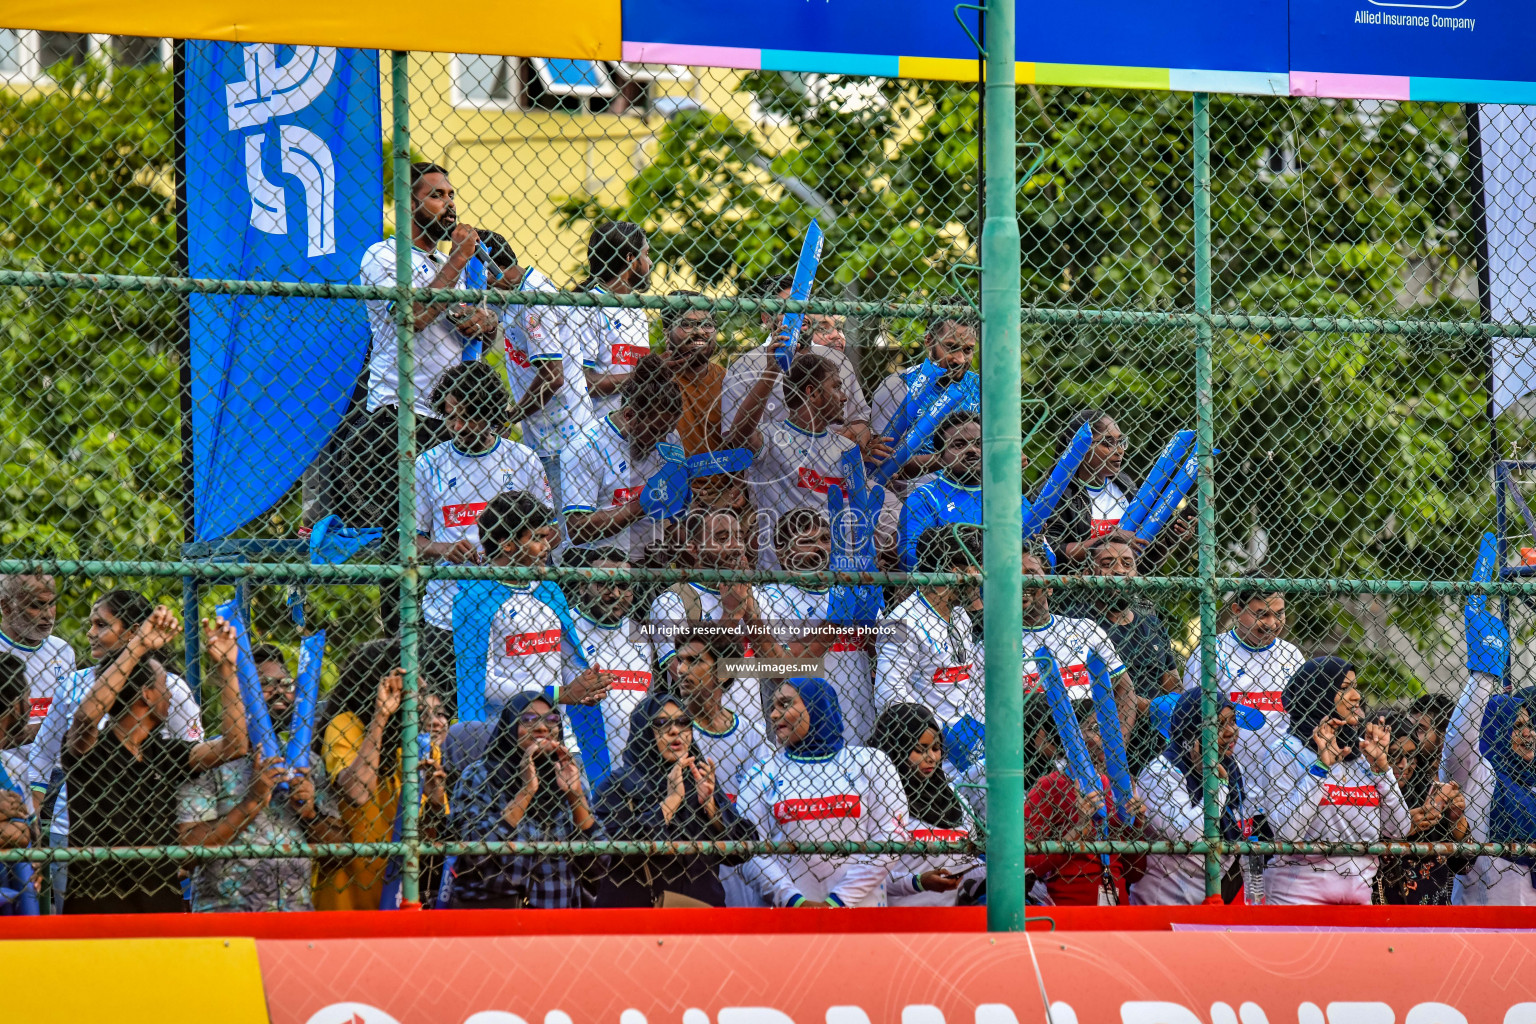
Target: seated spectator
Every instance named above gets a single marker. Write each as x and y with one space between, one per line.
803 539
1133 627
527 788
1173 786
28 609
796 458
954 493
666 791
15 804
114 618
1438 814
1055 810
909 735
747 369
234 803
1490 754
950 343
926 654
544 364
715 540
1041 753
605 640
359 742
123 776
454 482
1098 496
615 338
1330 782
818 789
603 472
691 345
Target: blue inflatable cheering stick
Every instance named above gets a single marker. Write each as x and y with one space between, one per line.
921 431
1056 484
1107 712
800 290
920 391
1487 635
1079 764
306 698
1152 488
1162 513
258 721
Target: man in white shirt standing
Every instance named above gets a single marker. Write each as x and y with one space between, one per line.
454 482
611 476
950 345
1253 665
28 610
619 262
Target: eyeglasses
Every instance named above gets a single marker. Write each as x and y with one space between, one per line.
1114 443
696 326
661 723
534 718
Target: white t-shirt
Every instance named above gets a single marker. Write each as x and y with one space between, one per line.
1256 677
452 489
668 607
537 334
438 346
1109 503
929 661
1070 640
902 888
847 660
792 469
746 368
617 651
47 665
615 340
524 648
596 475
743 746
184 721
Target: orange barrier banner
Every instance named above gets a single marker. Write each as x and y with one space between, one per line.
1347 977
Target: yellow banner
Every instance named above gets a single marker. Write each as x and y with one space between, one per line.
134 981
509 28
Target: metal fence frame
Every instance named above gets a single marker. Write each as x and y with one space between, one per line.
1002 317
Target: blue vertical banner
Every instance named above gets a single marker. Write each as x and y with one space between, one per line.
285 182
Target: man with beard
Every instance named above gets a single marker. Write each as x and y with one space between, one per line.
441 329
1133 627
954 493
604 639
28 609
950 345
691 344
235 803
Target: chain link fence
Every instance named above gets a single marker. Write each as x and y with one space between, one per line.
624 516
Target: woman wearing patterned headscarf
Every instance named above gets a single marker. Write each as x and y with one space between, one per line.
666 791
910 736
817 789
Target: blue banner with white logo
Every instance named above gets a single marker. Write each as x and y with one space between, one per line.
284 182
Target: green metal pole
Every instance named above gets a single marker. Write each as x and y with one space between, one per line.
410 891
1205 432
1001 485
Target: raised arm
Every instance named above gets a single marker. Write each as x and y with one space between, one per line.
232 741
359 779
1487 661
1298 777
755 402
153 633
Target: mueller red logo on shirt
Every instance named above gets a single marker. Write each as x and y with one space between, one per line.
1264 700
37 707
519 357
520 644
629 355
1349 796
844 805
1071 675
848 642
624 679
466 514
951 675
1104 527
625 495
940 835
811 480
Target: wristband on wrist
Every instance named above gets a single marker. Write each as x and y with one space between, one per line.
797 901
833 899
917 882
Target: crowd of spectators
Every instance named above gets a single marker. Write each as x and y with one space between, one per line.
720 712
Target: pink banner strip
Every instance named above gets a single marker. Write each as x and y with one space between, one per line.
698 56
1349 87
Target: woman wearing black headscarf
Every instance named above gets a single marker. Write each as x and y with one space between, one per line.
1173 786
666 791
1330 781
910 736
526 788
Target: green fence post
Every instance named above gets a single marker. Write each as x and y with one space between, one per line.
1205 437
1001 485
410 800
